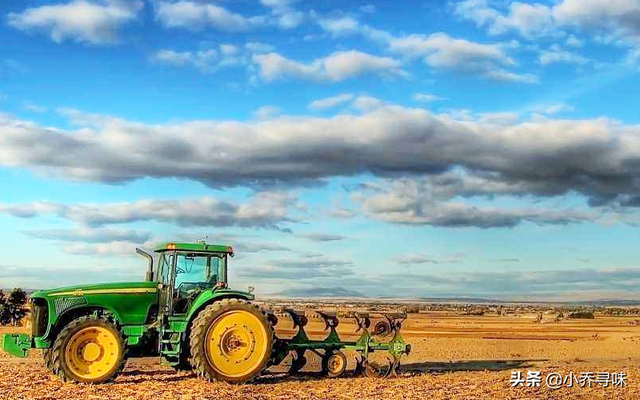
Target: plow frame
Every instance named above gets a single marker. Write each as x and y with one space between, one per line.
366 344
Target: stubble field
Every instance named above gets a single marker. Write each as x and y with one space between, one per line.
453 357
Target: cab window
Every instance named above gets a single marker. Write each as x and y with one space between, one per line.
193 269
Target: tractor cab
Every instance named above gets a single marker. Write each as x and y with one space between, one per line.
185 270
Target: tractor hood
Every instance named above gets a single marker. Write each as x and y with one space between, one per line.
101 288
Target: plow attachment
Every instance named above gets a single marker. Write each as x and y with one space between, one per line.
330 349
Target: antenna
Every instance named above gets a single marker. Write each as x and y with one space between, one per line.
203 241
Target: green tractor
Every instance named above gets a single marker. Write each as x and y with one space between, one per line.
185 313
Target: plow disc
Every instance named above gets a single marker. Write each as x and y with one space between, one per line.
378 369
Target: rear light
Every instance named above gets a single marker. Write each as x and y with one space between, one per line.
221 285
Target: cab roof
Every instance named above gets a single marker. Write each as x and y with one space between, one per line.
211 248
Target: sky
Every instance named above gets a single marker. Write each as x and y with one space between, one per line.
473 148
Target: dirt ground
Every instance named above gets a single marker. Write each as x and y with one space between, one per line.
453 357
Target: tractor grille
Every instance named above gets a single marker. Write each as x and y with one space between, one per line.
62 304
39 317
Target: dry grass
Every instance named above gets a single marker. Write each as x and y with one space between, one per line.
454 358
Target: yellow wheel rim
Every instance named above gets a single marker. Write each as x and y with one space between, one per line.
335 364
236 343
92 352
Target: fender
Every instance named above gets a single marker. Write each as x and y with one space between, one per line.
210 296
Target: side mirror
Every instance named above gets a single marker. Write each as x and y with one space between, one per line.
251 289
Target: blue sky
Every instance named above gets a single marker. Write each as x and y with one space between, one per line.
461 148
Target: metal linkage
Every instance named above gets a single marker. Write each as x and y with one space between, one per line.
367 344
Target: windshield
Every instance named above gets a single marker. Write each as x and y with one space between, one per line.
194 268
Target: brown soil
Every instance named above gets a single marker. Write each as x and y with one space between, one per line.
453 357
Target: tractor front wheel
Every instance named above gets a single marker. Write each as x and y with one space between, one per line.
231 340
88 349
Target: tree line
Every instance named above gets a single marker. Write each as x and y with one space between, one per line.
13 307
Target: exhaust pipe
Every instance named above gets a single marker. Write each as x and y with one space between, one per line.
149 277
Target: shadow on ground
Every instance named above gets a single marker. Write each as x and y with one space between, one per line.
133 375
470 365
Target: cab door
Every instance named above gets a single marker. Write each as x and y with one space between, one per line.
165 285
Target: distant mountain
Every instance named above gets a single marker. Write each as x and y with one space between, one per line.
340 292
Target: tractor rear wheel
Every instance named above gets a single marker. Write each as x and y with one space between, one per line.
88 349
231 340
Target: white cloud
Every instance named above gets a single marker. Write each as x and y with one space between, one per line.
266 112
323 237
204 60
330 102
529 20
553 108
290 20
419 202
283 13
346 26
229 49
622 16
367 103
369 8
340 26
278 3
209 60
195 16
421 258
416 258
258 47
114 248
441 51
617 19
301 268
32 107
574 41
265 210
427 97
340 212
94 22
557 55
336 67
90 235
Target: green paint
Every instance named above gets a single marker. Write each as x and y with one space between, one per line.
209 296
210 248
16 344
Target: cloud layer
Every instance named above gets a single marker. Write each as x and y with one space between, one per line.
336 67
78 20
441 51
598 158
265 210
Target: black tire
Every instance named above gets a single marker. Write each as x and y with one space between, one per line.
200 329
58 363
46 355
334 363
183 365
